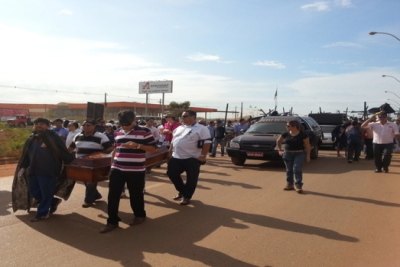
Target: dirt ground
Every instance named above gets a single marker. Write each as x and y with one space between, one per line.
7 170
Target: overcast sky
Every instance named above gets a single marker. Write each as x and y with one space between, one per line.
315 54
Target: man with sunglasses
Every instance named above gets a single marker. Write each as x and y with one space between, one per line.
190 145
128 166
384 133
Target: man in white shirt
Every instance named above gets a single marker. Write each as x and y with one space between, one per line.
189 147
384 133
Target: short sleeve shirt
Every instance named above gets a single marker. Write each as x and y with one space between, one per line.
383 133
187 139
293 143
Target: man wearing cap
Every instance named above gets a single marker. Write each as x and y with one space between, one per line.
88 142
384 133
39 168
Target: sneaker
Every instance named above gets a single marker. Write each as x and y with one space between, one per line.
39 218
288 187
177 197
386 169
54 205
108 228
137 220
378 170
87 205
184 201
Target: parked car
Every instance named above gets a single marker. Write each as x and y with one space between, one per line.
20 120
328 122
259 141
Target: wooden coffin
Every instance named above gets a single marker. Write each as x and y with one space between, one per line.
90 169
95 168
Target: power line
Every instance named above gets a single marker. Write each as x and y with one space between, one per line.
67 92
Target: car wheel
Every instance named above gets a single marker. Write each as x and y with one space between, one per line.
239 161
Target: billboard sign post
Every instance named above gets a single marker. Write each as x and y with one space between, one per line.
155 87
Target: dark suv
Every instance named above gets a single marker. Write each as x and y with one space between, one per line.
259 141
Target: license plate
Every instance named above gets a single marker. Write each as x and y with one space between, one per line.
255 154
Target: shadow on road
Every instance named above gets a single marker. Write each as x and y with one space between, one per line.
177 233
5 203
359 199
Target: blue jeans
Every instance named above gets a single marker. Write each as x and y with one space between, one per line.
384 150
215 143
42 188
294 167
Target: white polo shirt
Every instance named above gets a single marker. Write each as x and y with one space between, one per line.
383 133
186 138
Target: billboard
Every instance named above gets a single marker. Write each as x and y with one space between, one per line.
154 87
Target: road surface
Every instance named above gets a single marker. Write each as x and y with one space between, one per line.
239 216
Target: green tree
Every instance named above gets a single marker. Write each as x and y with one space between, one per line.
176 109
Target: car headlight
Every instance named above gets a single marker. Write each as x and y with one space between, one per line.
234 144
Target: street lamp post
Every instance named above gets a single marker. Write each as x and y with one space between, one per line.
384 75
393 93
397 102
394 36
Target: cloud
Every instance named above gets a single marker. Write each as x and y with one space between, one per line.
270 64
343 44
200 57
65 12
316 6
344 3
326 5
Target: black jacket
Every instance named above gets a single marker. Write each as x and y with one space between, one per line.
20 191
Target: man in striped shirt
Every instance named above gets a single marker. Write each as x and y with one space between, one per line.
88 142
128 166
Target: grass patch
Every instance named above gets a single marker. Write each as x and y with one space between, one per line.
12 140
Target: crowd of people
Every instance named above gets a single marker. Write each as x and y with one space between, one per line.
189 141
54 144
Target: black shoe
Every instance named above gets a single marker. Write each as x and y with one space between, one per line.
87 205
177 197
386 170
137 220
378 170
108 228
39 218
184 201
54 205
288 187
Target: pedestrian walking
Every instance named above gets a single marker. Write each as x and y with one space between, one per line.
40 167
189 148
354 141
87 142
128 167
384 132
297 149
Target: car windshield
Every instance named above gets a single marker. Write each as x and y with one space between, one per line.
276 127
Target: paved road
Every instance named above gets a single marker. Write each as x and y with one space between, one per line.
240 216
